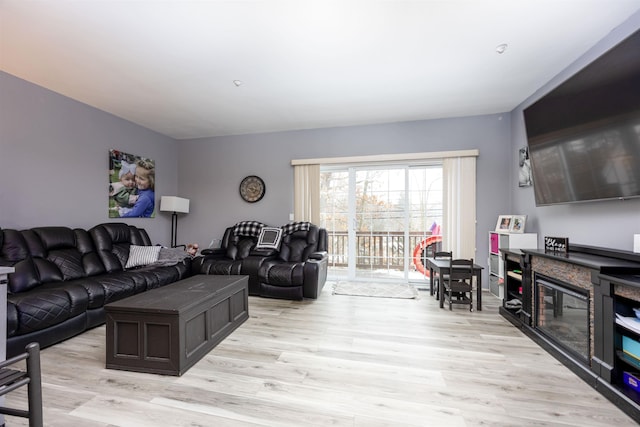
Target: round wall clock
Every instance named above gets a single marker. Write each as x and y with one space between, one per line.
252 189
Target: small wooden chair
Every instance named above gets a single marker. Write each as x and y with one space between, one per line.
435 281
458 287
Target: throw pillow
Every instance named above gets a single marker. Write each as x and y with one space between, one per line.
269 238
142 255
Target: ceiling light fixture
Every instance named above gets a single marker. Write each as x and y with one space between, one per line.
501 48
238 83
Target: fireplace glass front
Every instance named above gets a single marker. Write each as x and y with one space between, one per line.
562 315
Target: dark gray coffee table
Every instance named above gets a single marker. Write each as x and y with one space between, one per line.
168 329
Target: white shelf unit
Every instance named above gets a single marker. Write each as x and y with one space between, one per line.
499 241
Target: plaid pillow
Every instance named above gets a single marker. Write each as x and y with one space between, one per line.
247 228
292 227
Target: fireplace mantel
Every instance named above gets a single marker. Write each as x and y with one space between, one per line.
602 260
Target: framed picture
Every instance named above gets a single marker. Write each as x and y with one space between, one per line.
504 224
131 186
517 223
524 172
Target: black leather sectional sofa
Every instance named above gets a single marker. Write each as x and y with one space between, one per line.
64 277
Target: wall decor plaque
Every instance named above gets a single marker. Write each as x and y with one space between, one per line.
556 245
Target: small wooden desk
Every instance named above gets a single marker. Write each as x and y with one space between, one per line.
435 265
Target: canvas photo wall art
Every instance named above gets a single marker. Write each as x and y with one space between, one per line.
524 168
131 186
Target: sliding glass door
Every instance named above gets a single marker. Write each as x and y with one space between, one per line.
377 216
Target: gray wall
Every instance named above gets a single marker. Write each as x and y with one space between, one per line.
55 152
605 223
210 170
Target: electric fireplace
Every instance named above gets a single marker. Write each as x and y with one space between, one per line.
562 315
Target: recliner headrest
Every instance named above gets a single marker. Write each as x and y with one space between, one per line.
118 231
56 237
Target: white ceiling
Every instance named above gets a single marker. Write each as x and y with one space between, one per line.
170 65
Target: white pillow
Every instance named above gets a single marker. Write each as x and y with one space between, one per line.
269 238
142 255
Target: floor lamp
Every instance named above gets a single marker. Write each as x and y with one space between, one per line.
176 205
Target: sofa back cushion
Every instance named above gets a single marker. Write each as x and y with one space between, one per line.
90 259
112 241
59 254
139 236
238 246
298 245
14 248
48 254
14 252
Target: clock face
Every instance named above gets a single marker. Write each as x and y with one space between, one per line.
252 189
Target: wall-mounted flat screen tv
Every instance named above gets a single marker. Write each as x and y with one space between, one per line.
584 135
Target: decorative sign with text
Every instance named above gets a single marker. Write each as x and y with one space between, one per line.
559 245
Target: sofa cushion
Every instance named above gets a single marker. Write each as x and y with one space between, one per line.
295 251
166 275
14 247
24 278
94 290
53 238
269 238
41 309
299 245
222 266
241 248
282 273
112 241
61 254
117 286
14 252
143 279
91 262
142 255
69 263
139 236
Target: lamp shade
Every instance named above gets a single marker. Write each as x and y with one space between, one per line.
174 204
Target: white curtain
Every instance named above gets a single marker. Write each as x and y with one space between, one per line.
459 210
306 193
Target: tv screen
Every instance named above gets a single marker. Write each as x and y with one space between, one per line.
584 136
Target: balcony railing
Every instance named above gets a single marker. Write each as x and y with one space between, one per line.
376 250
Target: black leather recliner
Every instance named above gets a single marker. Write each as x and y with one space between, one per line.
237 255
300 268
296 270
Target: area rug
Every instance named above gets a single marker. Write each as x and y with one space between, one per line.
379 290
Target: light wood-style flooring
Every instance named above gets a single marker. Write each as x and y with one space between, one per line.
336 361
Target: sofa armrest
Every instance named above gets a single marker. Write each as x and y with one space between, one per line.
263 252
213 252
318 255
315 275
